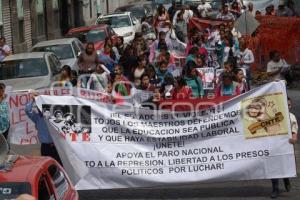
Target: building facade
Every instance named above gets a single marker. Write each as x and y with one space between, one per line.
25 22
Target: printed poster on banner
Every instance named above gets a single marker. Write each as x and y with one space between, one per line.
207 75
264 116
106 146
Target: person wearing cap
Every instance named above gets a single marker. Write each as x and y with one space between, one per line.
4 110
99 79
36 116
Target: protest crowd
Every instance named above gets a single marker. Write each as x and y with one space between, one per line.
183 62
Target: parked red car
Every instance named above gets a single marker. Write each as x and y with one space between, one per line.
95 34
41 177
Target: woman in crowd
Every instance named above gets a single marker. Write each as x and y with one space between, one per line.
181 28
165 55
227 87
193 80
128 61
181 90
241 80
66 77
235 9
4 110
120 46
114 54
107 57
99 79
139 70
163 72
151 72
161 18
145 83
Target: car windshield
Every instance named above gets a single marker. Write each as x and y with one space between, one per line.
115 21
63 51
95 36
13 190
31 67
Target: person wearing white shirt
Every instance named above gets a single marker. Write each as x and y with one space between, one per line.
246 58
204 8
99 79
5 50
276 66
187 14
225 14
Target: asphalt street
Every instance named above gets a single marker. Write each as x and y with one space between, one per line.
257 189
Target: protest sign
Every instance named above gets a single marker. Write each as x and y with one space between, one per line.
22 129
110 146
207 75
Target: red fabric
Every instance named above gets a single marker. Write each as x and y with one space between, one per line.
191 104
277 33
202 24
184 93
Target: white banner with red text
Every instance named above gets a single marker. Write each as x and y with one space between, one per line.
106 146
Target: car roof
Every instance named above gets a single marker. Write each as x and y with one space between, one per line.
55 42
26 169
87 28
21 56
115 14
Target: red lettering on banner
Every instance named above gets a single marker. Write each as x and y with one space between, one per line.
73 137
22 115
24 141
65 91
29 130
86 137
19 100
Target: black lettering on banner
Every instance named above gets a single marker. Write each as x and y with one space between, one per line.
252 154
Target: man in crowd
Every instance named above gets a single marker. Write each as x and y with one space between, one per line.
187 14
36 116
251 9
172 10
225 14
282 10
277 67
204 8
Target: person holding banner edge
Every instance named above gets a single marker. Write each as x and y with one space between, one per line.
36 116
4 110
293 140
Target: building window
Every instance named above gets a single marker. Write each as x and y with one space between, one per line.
20 11
1 19
40 17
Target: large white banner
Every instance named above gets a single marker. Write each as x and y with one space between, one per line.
107 146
